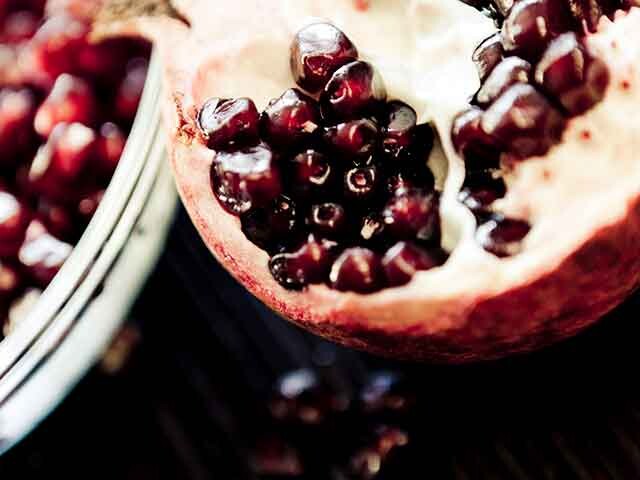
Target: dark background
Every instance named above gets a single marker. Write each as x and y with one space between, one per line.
182 394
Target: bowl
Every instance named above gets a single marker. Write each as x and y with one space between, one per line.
78 314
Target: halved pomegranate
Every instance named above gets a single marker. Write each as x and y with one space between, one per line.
326 209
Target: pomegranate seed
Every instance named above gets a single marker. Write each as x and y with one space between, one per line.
59 166
398 182
355 141
589 12
357 270
57 219
130 90
532 24
412 176
404 259
479 150
19 26
272 227
481 190
20 307
308 265
14 220
524 121
328 220
110 146
510 71
245 178
412 215
387 393
399 126
318 50
573 76
421 145
57 43
355 90
42 254
303 397
14 63
36 7
17 110
11 282
487 55
105 62
88 205
312 175
502 236
381 455
226 123
361 183
290 119
71 100
409 179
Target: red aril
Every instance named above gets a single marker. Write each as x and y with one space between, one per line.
129 92
110 145
355 90
14 220
42 255
56 45
17 111
71 100
317 51
58 168
572 75
245 178
19 26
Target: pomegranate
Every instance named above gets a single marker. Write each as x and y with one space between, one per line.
518 227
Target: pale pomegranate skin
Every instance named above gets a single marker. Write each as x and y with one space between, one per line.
460 312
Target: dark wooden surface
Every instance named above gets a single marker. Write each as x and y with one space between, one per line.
190 398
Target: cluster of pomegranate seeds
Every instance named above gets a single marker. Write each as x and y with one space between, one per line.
331 178
66 107
536 74
317 427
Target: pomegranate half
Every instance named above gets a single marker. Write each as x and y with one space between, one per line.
578 195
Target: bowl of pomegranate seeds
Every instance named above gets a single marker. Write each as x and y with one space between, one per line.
85 200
